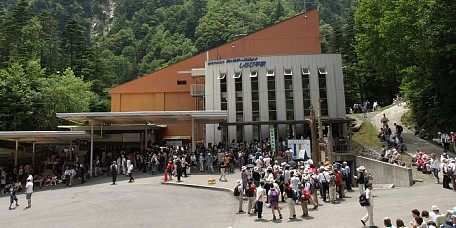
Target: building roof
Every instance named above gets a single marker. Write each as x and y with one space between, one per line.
149 117
297 35
43 136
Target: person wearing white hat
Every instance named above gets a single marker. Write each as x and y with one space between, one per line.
446 177
434 213
241 195
244 177
256 176
370 207
452 172
360 178
308 187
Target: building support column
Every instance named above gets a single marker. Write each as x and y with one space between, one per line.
193 135
91 146
15 154
33 153
145 140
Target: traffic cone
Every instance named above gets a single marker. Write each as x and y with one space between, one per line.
166 177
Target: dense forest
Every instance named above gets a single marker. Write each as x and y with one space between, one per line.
63 55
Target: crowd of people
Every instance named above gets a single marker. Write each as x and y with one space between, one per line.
426 219
266 182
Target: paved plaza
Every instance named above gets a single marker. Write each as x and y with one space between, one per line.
195 203
147 202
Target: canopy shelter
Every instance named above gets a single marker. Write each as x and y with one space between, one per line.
41 137
145 118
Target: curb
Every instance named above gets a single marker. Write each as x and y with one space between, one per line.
198 186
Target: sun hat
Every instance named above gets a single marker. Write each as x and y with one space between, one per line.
239 181
435 208
361 168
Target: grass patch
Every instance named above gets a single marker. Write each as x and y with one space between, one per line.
367 136
408 120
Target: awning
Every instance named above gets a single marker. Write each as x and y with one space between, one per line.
43 136
146 117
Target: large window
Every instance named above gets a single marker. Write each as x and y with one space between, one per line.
237 82
306 90
271 96
255 99
322 89
223 89
289 106
239 109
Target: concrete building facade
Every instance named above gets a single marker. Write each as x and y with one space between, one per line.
272 90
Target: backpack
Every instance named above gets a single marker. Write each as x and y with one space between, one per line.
343 174
363 200
305 194
316 184
294 195
332 180
113 169
236 191
399 128
274 195
250 191
449 171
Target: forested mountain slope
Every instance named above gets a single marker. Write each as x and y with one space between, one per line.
99 44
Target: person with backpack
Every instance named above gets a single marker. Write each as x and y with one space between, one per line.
360 179
274 202
314 187
114 172
308 187
259 199
239 192
303 198
399 130
369 207
250 193
332 187
288 194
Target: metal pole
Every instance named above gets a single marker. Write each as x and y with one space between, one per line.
33 157
91 146
17 150
313 134
145 140
193 134
320 130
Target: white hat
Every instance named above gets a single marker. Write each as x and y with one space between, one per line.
435 208
244 168
239 181
297 174
361 168
306 178
255 168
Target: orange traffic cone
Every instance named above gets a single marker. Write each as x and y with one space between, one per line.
166 177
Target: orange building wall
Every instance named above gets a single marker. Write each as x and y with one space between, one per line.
159 90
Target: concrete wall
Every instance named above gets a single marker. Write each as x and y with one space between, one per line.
385 173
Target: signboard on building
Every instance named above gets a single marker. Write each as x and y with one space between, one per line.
272 139
301 148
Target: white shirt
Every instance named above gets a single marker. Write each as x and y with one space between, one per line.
260 192
435 163
294 182
267 161
269 178
130 168
286 176
369 196
29 187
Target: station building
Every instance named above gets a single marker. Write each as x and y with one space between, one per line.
267 79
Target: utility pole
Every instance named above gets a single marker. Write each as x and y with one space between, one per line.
313 136
320 132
